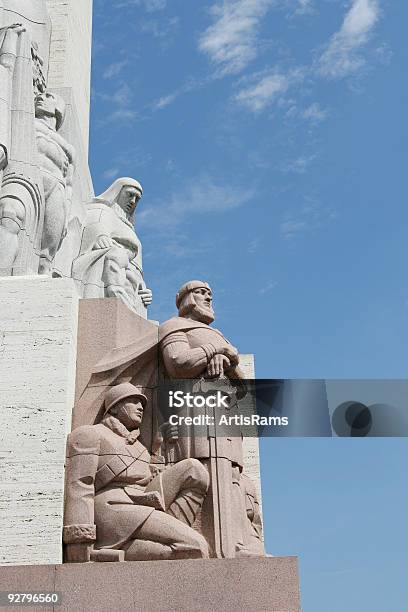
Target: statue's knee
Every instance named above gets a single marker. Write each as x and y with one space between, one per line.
198 473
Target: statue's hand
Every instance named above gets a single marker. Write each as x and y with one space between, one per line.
232 353
169 432
103 242
217 366
78 553
146 296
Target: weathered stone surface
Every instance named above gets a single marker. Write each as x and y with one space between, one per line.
70 55
38 334
228 585
107 326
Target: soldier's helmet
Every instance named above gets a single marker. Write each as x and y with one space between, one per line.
122 391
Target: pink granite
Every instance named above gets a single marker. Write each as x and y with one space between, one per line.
229 585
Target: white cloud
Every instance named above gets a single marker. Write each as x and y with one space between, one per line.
110 174
127 163
304 7
114 69
300 165
192 84
166 100
198 197
312 216
149 5
121 105
231 41
315 113
290 228
341 56
267 288
263 91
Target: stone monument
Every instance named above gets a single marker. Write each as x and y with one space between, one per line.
191 349
110 260
97 486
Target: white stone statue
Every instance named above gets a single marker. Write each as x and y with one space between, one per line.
56 160
36 163
110 260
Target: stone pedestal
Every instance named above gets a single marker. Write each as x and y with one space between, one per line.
38 334
228 585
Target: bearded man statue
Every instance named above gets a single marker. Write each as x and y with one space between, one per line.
191 351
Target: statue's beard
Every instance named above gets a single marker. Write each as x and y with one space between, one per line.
204 314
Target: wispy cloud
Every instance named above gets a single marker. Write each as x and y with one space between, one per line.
263 92
149 5
114 69
127 163
264 89
191 84
315 113
300 165
164 29
342 56
312 215
231 40
268 288
200 196
304 7
121 105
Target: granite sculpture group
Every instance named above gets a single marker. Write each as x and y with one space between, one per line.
126 503
174 497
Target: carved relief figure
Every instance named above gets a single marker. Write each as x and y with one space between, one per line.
37 164
110 261
191 349
56 158
123 504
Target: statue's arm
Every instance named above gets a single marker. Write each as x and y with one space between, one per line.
8 50
79 531
181 361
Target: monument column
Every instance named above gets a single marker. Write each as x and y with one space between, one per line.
70 55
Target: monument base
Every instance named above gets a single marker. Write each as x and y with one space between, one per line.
263 584
38 335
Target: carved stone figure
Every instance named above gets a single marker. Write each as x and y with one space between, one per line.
20 193
110 261
123 504
191 349
56 158
36 163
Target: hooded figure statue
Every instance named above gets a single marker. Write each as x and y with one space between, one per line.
110 259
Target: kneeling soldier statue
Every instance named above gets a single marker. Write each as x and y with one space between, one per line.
121 503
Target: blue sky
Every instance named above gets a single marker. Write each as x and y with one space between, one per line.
270 139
